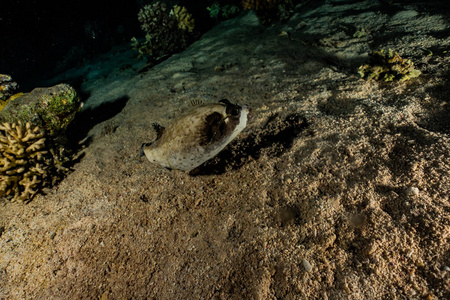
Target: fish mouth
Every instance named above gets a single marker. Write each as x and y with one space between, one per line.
249 113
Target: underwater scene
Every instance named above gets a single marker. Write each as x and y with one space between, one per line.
241 149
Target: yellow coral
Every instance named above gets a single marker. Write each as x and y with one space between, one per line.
15 96
22 160
184 19
4 102
387 65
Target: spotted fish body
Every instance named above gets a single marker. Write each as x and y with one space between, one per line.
196 136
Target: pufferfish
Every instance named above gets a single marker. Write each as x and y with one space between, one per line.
196 136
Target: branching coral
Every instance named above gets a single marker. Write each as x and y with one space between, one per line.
167 32
388 66
184 19
28 161
154 16
23 163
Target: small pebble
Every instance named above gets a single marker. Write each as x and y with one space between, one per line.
410 253
52 235
412 191
307 265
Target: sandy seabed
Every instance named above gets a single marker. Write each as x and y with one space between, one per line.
338 189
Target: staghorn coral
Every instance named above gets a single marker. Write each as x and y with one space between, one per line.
23 162
167 32
387 65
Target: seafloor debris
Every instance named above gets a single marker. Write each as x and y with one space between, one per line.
167 32
24 163
387 65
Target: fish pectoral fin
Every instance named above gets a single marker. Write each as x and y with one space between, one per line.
159 129
141 152
170 168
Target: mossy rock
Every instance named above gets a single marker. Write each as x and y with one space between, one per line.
51 108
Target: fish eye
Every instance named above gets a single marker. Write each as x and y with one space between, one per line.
235 112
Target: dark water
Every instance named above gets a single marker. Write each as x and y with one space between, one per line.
40 39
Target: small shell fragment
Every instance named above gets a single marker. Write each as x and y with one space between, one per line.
307 265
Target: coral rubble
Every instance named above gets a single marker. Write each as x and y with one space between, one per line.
184 19
23 162
387 65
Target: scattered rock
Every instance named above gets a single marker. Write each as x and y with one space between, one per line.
51 108
412 191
